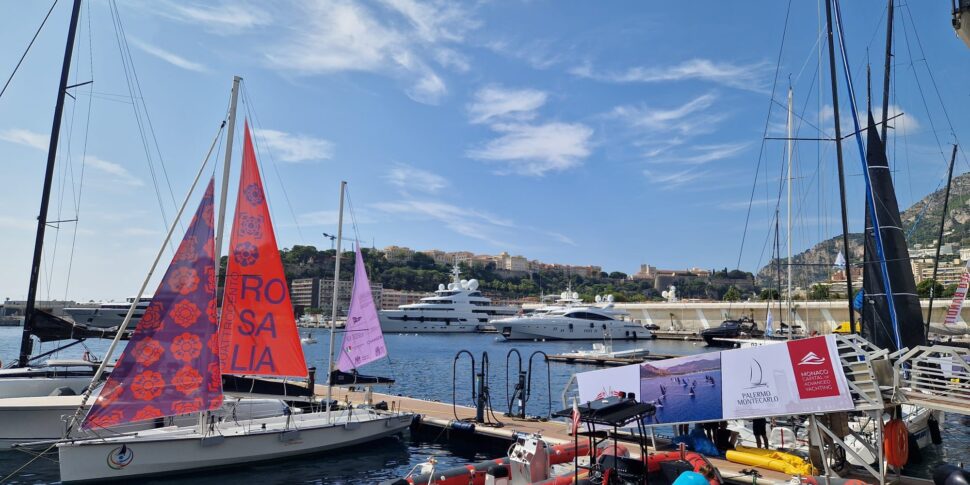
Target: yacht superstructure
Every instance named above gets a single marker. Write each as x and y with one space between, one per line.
456 308
574 322
108 314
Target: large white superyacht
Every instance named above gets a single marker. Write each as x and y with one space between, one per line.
456 308
574 322
108 314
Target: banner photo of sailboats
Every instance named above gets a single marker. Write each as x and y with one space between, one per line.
684 389
797 377
600 384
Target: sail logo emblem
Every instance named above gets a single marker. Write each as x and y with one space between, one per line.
120 457
811 359
756 377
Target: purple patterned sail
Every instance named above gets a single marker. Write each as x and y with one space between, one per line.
171 364
363 341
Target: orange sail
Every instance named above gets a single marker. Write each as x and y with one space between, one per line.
257 332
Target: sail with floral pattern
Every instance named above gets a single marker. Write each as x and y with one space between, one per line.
257 331
171 363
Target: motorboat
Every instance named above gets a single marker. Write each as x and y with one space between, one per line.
108 314
589 322
50 376
743 327
458 307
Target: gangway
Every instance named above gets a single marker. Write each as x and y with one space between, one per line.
934 377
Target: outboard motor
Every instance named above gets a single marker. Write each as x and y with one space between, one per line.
529 460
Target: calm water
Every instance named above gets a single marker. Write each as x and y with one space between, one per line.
423 368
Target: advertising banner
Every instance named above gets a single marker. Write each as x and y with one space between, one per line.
599 384
796 377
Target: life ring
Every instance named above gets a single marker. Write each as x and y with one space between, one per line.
896 443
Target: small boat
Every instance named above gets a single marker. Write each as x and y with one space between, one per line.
308 340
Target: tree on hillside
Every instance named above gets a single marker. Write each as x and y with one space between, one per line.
732 294
924 287
819 292
618 275
769 294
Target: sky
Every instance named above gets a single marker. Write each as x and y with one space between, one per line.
570 132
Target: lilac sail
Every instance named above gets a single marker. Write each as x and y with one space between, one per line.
171 364
363 341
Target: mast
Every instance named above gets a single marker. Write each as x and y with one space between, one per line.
220 225
336 291
841 167
888 66
26 344
790 144
939 240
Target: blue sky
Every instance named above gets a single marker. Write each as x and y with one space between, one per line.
564 131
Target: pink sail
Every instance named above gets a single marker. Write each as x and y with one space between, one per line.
171 363
363 341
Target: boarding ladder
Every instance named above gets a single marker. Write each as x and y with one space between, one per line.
934 377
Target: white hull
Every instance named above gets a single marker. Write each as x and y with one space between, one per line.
27 420
543 330
40 386
176 450
415 325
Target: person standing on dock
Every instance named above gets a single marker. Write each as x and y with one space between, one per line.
760 428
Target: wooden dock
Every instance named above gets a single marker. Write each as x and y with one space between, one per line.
440 416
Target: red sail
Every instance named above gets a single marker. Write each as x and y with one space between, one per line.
170 365
257 332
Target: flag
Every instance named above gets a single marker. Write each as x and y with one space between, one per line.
857 301
575 418
768 328
840 260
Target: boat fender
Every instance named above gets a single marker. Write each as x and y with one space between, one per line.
415 422
690 478
381 406
935 434
498 471
947 474
63 391
463 426
896 443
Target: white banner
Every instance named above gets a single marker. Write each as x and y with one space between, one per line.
796 377
598 384
953 313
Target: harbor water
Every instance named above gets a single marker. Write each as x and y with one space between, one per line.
423 367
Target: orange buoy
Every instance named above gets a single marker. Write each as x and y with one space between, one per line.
896 443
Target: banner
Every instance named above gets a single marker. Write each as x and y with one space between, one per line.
684 389
599 384
795 377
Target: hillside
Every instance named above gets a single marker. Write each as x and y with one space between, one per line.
920 221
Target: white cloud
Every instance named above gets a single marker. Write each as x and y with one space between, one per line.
295 148
408 178
223 17
742 76
672 180
690 118
535 149
496 102
169 57
539 54
17 223
462 220
701 154
339 36
28 138
140 231
116 172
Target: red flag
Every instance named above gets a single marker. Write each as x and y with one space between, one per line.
257 332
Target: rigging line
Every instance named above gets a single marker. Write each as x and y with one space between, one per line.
29 45
148 118
138 121
84 154
353 216
279 178
936 88
774 86
919 87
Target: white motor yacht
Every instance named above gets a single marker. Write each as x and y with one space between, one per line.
589 322
108 314
456 308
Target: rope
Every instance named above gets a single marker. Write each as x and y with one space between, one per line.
17 67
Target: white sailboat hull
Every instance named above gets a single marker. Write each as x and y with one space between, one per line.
177 450
40 386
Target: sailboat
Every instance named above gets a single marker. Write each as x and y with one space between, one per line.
175 362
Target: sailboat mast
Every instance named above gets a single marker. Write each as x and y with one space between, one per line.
227 163
888 66
336 292
790 145
939 240
26 344
838 155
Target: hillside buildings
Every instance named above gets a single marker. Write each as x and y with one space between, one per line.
504 262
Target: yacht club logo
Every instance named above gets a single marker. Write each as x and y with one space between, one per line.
811 359
120 457
756 376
